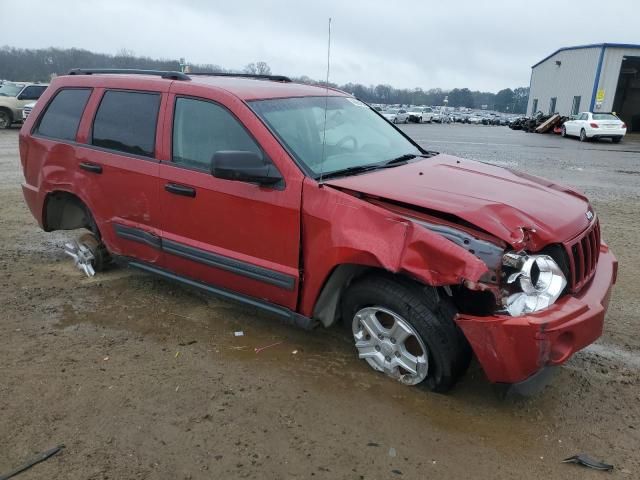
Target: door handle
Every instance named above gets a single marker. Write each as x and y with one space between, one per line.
91 167
180 190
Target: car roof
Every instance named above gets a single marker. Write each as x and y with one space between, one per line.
243 88
254 88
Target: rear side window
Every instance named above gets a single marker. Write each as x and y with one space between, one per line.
62 117
202 128
126 121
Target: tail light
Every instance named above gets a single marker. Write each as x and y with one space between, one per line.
594 125
624 125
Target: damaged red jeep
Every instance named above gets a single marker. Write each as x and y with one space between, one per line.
306 203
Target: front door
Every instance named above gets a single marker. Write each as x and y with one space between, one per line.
236 235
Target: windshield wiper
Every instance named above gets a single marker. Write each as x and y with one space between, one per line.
394 162
401 159
351 171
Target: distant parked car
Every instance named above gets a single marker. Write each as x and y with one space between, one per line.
475 119
396 115
421 115
441 117
13 97
26 110
590 125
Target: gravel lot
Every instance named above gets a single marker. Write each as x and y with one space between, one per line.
142 379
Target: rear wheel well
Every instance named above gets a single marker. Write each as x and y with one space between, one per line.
65 211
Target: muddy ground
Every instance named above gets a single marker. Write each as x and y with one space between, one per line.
143 379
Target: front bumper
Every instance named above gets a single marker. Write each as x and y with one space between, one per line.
512 349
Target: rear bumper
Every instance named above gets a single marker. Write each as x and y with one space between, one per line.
606 132
512 349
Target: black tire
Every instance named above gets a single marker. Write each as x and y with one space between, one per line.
395 120
430 314
101 258
616 140
583 136
563 132
5 119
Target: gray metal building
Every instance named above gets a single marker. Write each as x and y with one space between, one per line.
603 77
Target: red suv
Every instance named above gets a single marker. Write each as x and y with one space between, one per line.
308 204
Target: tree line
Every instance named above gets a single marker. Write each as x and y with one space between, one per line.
42 64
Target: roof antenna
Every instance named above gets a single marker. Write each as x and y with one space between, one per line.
326 99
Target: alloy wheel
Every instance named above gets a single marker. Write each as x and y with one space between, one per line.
390 345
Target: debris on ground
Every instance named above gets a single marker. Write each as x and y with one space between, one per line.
239 333
259 349
586 461
295 352
41 457
392 452
547 125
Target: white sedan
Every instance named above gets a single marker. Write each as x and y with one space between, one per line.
594 126
396 115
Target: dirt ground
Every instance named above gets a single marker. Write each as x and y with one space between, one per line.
143 379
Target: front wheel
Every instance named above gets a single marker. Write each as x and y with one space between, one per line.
407 331
395 120
563 132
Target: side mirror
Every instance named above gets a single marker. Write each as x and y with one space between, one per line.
244 166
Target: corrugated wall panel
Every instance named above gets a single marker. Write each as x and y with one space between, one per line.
574 76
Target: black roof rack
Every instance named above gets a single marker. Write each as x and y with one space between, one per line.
130 71
258 76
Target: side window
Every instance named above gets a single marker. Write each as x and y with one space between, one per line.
62 117
126 121
32 92
202 128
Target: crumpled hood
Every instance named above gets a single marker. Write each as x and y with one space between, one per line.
497 200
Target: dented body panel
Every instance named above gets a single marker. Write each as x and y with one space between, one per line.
339 228
520 209
512 349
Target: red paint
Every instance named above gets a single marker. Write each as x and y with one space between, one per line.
312 228
512 349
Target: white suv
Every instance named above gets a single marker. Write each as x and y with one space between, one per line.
13 97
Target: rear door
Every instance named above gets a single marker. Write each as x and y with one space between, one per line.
235 235
117 169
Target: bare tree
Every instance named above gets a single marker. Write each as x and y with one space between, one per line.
258 68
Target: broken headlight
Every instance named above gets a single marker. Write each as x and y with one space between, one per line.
536 282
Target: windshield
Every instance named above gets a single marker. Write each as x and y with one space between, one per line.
604 116
355 135
10 89
392 110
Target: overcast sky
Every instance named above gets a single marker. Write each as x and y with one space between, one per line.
480 44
